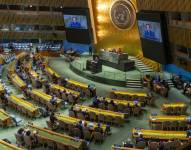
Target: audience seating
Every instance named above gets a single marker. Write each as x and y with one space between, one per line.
36 80
170 122
92 114
51 139
6 146
2 89
129 107
76 128
65 93
23 106
82 88
160 134
16 80
116 147
64 121
125 95
50 73
178 108
44 99
5 119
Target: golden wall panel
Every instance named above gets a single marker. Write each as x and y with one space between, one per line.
33 35
57 3
108 36
165 5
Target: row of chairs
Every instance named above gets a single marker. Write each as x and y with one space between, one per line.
66 97
73 131
97 118
135 111
174 125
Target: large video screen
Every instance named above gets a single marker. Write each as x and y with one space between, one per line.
150 30
75 21
154 36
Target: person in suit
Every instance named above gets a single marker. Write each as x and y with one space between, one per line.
90 51
74 23
149 33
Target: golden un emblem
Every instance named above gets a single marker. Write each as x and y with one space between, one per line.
123 14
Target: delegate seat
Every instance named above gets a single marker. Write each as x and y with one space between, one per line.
5 119
60 140
62 92
44 99
92 114
177 108
138 96
160 134
23 106
6 146
170 122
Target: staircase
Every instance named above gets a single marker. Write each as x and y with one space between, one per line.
145 65
134 83
170 83
140 65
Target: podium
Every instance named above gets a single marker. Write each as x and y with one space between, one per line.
94 66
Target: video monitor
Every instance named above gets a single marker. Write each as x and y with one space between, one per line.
154 36
150 30
75 21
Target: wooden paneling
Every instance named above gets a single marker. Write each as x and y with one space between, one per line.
165 5
180 36
32 18
33 35
56 3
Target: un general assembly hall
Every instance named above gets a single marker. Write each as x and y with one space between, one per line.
95 74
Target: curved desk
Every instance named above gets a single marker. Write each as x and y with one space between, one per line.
73 121
59 88
122 102
5 119
99 111
24 105
2 89
62 139
160 135
126 95
163 118
6 146
44 98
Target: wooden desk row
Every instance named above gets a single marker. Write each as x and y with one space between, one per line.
75 85
125 95
6 146
5 119
50 72
2 89
122 148
121 102
160 135
44 99
87 109
174 108
160 89
24 106
72 84
74 121
162 118
61 140
17 81
62 91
